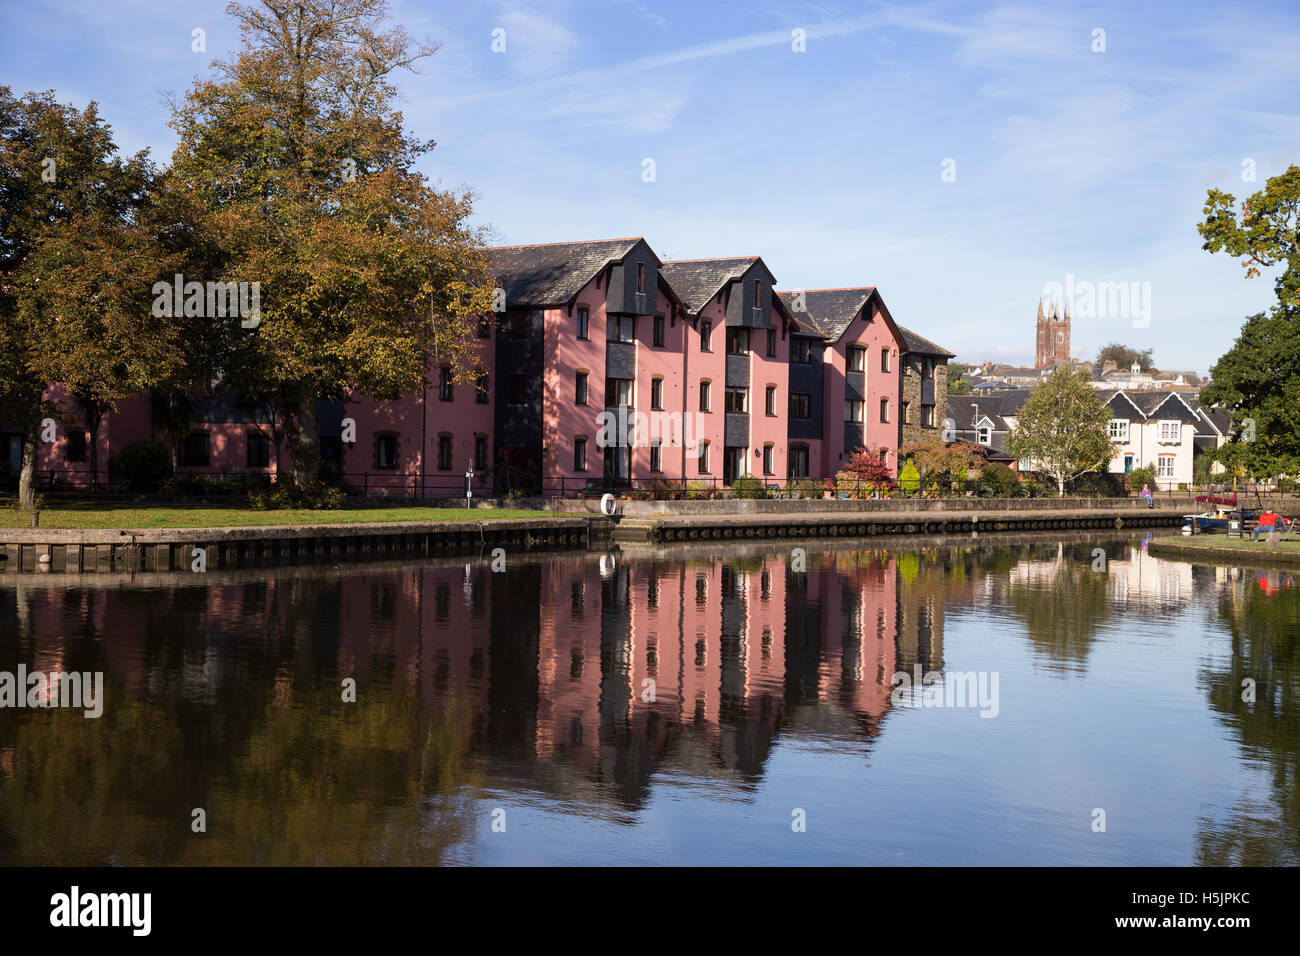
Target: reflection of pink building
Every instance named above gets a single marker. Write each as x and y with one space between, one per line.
601 670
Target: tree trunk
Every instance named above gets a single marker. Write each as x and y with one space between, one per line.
27 472
1060 487
304 444
94 416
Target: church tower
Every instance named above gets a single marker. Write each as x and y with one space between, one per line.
1052 344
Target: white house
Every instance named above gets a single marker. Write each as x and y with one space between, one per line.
1153 428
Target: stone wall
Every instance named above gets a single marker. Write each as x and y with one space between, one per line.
910 429
770 506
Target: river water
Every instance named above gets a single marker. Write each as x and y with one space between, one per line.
1077 702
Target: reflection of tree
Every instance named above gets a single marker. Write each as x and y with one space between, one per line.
364 780
1062 607
1264 633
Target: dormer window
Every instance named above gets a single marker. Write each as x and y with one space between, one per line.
985 435
1170 432
1117 429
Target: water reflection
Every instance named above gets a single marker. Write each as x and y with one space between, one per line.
1256 694
578 682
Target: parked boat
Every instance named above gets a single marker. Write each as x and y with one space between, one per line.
1222 517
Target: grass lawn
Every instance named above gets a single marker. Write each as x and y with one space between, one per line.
168 516
1224 543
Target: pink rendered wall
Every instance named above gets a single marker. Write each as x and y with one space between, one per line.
419 417
882 385
463 418
666 424
774 429
874 336
562 419
128 423
228 449
710 365
373 419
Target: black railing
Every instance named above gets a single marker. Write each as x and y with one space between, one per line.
506 482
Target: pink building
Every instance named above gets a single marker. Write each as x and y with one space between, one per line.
590 351
859 368
604 367
423 444
736 366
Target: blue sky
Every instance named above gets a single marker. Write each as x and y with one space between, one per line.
829 162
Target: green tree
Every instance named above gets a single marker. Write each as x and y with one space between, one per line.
1144 475
76 260
308 186
1265 236
909 479
958 383
1258 379
1004 482
1123 356
1061 428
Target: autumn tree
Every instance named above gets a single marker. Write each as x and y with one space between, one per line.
865 471
943 461
1062 428
76 263
307 180
1258 380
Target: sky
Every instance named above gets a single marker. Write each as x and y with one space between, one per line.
964 158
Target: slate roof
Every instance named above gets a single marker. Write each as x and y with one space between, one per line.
967 411
1220 419
1191 378
552 273
1166 405
1151 405
830 310
996 406
696 281
920 344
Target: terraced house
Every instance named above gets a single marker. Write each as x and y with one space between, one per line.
853 366
735 365
608 366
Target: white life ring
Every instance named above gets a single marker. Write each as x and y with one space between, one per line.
607 505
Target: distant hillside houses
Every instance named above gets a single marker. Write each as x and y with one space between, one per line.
996 376
1166 429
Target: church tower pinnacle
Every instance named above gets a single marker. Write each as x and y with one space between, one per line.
1052 339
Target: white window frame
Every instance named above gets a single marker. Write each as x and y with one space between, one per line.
1166 466
1117 429
1171 432
985 435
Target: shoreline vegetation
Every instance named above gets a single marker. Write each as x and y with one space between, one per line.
1220 549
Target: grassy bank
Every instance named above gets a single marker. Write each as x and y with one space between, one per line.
90 516
1225 550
